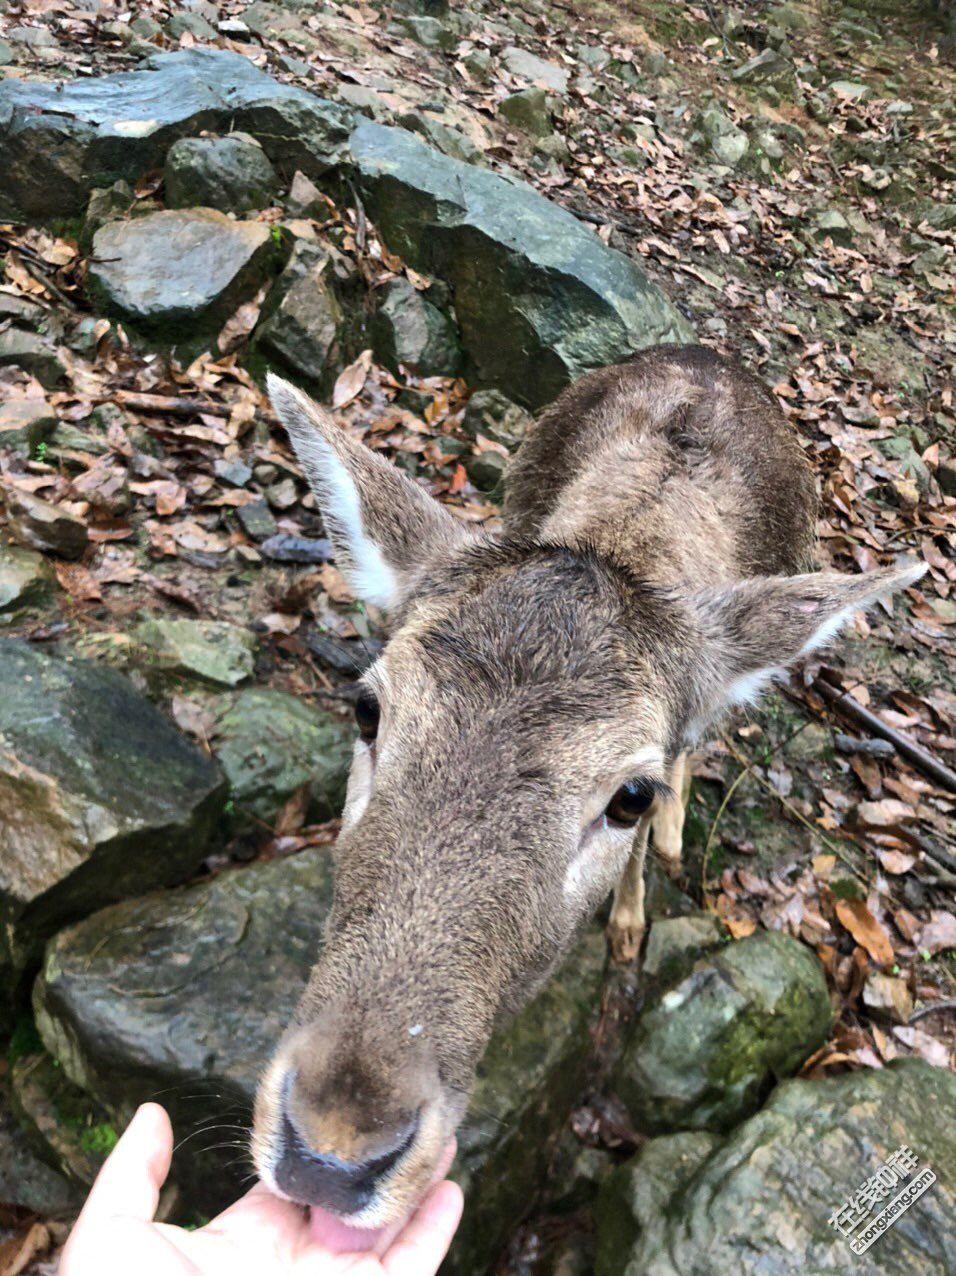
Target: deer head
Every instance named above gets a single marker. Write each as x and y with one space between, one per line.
515 728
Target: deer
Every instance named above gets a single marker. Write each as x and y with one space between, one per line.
525 732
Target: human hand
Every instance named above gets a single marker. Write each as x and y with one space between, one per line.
260 1235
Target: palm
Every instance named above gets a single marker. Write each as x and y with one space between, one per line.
258 1236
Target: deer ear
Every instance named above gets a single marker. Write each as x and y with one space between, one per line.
755 628
382 526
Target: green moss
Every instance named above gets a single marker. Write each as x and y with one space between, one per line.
24 1040
99 1139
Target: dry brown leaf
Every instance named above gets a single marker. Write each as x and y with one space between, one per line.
78 581
350 382
865 929
938 933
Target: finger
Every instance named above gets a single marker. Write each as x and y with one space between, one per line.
423 1244
129 1183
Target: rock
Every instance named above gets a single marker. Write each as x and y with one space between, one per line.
302 324
235 472
674 942
59 141
851 90
887 997
213 650
728 143
63 1123
487 470
429 32
229 173
42 526
105 204
25 424
176 274
26 1181
768 69
409 331
100 797
304 198
33 353
26 578
185 993
527 1082
257 520
297 549
828 223
706 1052
282 495
759 1201
528 66
194 24
270 743
528 111
494 415
450 141
539 299
6 53
940 216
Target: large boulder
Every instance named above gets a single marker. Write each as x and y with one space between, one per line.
60 140
25 1178
178 274
183 995
705 1052
100 798
538 297
759 1202
26 578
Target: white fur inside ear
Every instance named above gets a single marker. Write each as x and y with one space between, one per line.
366 570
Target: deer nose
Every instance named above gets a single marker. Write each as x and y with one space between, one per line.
321 1178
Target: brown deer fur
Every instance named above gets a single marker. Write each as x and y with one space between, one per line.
644 581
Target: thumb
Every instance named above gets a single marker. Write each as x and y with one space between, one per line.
129 1183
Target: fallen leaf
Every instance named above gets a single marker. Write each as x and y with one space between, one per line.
350 382
865 929
938 933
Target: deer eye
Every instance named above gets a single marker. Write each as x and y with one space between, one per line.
367 714
630 802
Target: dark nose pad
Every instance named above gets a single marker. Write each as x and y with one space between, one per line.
344 1187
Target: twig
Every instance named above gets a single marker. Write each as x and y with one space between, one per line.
713 828
170 405
931 1010
921 758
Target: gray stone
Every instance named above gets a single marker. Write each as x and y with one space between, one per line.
303 321
105 203
728 143
40 525
59 141
194 24
28 1182
940 216
675 942
229 173
33 353
539 299
828 223
100 797
768 69
26 578
450 141
257 520
186 993
528 111
179 274
212 650
25 424
409 331
851 90
759 1201
270 744
487 470
528 66
495 416
304 198
6 53
428 31
704 1053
